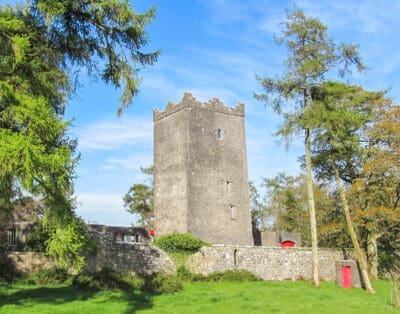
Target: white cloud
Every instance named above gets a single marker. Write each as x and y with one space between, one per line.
107 209
364 17
95 201
131 162
110 135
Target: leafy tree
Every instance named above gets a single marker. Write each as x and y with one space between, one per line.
285 201
85 32
332 231
259 215
375 194
43 45
35 152
338 116
140 199
275 196
311 55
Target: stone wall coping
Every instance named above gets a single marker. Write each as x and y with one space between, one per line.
275 248
188 101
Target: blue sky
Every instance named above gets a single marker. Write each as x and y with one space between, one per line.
214 48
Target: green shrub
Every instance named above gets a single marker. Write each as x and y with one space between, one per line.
36 239
8 272
108 279
175 242
162 283
233 275
229 275
52 276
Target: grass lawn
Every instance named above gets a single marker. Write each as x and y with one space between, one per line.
200 297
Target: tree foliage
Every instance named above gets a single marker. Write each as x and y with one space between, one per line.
284 203
375 194
110 31
140 199
183 242
259 215
44 44
311 55
338 117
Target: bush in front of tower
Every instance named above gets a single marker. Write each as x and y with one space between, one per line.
184 242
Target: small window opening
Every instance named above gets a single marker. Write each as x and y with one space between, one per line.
233 212
12 237
131 238
115 236
235 257
228 186
219 133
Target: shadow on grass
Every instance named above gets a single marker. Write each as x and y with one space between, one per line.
57 295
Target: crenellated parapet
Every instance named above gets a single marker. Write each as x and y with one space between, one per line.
188 101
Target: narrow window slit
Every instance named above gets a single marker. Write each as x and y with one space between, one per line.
233 212
219 133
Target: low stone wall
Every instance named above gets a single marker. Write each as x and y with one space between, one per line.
267 263
28 262
138 258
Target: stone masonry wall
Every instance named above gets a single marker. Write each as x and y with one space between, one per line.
138 258
28 262
200 171
267 263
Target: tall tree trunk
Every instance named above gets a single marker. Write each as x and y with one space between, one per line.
311 208
372 255
396 297
353 236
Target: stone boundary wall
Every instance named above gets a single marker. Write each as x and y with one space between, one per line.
139 258
28 262
189 101
266 262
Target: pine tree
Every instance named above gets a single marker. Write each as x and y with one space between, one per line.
311 55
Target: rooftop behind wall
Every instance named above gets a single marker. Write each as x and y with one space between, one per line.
189 101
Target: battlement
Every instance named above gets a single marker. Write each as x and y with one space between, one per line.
188 101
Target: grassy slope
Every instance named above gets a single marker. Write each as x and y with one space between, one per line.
221 297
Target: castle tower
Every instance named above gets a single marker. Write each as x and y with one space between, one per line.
200 178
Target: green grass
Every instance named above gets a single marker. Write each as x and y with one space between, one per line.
200 297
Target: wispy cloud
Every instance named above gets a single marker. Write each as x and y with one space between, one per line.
103 209
368 17
110 135
131 162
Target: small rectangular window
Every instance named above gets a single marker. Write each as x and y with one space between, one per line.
233 212
131 238
228 186
219 133
12 237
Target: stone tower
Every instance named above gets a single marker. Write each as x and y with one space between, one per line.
200 179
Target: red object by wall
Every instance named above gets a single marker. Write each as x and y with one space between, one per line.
288 244
152 232
346 277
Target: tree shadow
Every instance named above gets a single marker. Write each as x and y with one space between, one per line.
137 301
64 294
